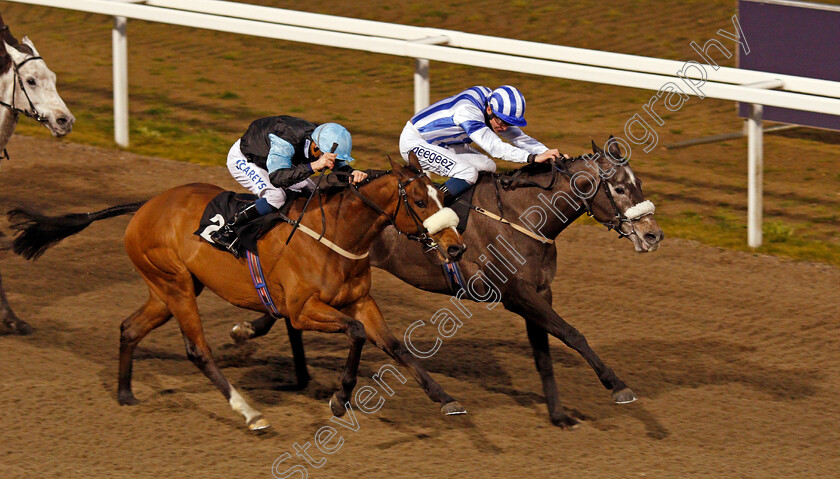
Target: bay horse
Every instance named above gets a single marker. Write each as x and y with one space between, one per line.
313 286
26 86
552 192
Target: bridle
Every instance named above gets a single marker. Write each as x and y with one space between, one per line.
423 234
32 112
618 219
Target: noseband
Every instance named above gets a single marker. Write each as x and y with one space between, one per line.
32 112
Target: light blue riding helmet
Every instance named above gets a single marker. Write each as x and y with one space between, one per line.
507 103
328 134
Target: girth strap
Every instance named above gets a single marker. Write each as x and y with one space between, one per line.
259 282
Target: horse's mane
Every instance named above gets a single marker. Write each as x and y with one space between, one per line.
529 170
9 39
6 36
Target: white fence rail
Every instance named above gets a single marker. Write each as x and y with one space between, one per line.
425 44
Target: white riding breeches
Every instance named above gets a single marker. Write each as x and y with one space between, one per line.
256 179
455 161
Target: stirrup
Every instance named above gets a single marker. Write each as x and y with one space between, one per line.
233 247
226 238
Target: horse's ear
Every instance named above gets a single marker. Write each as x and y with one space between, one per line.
13 51
613 150
26 41
414 161
396 167
595 148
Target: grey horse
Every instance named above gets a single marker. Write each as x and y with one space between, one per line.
26 86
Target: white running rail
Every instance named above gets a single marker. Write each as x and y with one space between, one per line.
425 44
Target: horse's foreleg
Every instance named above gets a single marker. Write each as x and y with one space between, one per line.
253 329
150 316
8 317
533 307
319 316
368 313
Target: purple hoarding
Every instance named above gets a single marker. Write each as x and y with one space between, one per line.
793 38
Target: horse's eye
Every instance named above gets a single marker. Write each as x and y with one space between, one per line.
31 81
420 203
619 190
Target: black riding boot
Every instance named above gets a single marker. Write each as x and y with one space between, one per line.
226 235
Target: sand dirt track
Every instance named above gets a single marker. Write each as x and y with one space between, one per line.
735 358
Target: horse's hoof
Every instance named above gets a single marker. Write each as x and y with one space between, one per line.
127 400
20 328
625 396
336 407
565 422
452 408
242 332
258 424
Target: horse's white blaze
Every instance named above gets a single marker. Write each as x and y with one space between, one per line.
433 194
241 406
639 210
445 218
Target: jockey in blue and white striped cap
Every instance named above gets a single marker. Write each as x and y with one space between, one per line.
441 136
508 104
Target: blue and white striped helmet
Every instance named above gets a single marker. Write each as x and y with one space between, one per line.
508 104
328 134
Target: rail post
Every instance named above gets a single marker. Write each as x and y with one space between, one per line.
119 45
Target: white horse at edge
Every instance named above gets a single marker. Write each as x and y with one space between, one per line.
27 87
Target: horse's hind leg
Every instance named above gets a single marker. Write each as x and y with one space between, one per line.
8 317
260 327
199 353
181 302
253 329
368 312
298 354
150 316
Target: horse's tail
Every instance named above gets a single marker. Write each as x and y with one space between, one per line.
35 233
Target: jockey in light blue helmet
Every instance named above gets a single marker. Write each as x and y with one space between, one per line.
508 104
329 134
279 152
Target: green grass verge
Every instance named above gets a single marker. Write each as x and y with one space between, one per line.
728 231
150 135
